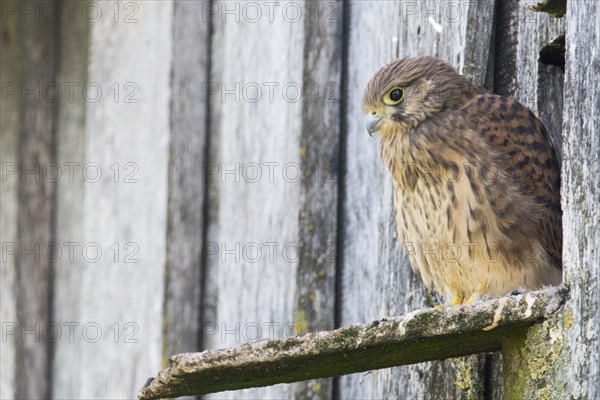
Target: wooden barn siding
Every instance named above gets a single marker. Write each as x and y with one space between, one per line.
377 280
27 203
125 209
520 36
519 73
581 195
10 72
71 144
151 213
275 214
187 157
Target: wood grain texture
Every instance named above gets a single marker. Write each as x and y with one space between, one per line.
520 36
33 268
319 153
536 85
123 212
272 201
10 106
377 279
419 335
70 270
161 55
187 155
581 195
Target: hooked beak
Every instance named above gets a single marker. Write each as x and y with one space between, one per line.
371 122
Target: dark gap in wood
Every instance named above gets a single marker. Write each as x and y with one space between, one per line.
487 377
556 8
551 79
497 75
505 68
206 206
53 209
207 186
342 160
554 53
490 71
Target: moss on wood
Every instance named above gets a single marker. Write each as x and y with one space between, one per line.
423 335
556 8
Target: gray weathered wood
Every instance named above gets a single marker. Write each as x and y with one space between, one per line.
270 229
319 153
10 73
521 33
557 359
581 195
536 85
28 51
124 212
162 50
377 280
188 119
70 270
427 334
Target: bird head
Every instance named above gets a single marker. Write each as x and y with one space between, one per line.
410 90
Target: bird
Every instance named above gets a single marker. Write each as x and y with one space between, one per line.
476 181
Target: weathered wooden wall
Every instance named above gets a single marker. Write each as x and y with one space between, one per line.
123 212
377 280
237 174
29 52
581 195
273 135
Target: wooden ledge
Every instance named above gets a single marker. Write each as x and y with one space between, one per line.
422 335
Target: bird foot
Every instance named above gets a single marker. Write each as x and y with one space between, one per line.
480 293
458 299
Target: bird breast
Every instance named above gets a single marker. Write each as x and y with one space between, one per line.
447 228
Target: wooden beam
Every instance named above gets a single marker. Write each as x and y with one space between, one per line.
422 335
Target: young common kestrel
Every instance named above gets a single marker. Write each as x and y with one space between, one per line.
476 181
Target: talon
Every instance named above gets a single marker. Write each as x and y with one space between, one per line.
481 291
458 299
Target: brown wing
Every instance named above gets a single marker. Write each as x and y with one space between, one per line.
521 145
513 168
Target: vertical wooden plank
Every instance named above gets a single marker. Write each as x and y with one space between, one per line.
377 280
536 85
519 72
319 152
187 154
272 206
70 269
10 108
257 213
121 196
581 195
29 41
574 332
375 275
520 36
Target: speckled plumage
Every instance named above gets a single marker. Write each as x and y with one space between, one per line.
476 181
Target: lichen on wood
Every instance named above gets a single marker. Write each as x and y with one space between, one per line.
556 8
422 335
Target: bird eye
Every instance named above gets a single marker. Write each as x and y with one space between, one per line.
394 96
